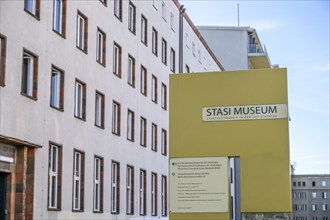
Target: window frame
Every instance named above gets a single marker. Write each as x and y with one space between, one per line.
80 102
164 195
172 60
98 179
154 89
164 11
57 174
101 47
29 85
130 190
164 142
59 89
3 55
144 30
142 192
143 131
154 194
154 137
117 60
35 8
116 115
61 29
143 81
78 200
154 41
99 109
104 2
118 9
132 17
130 125
82 32
115 187
164 51
164 96
131 71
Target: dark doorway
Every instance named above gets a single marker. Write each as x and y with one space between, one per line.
3 189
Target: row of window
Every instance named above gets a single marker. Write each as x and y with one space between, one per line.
303 207
305 218
55 185
302 195
303 184
82 32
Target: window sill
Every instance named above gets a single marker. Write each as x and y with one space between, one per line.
99 126
33 15
102 64
30 97
82 119
59 109
59 34
82 50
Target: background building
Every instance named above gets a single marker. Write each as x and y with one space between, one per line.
310 197
84 105
238 48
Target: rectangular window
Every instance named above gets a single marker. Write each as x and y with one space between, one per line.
78 181
199 56
98 185
154 41
313 184
143 198
154 137
30 74
130 125
82 32
55 177
172 60
131 71
154 89
116 118
187 69
57 88
131 17
115 173
80 100
118 4
164 142
99 109
117 59
164 51
154 194
164 96
144 30
164 196
314 207
324 195
3 49
164 10
324 207
143 132
143 81
130 190
324 183
100 47
155 4
32 7
193 48
187 40
59 19
314 195
172 22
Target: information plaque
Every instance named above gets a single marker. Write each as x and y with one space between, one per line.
199 184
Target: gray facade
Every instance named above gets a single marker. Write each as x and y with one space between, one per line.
310 197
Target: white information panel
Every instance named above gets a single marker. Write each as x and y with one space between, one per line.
199 184
247 112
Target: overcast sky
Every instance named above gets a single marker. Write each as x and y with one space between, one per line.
296 35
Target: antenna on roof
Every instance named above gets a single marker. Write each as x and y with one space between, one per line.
238 14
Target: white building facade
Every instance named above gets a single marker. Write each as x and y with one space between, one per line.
84 105
238 48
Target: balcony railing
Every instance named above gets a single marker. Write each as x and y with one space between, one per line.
257 48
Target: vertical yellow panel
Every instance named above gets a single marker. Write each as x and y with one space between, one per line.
262 145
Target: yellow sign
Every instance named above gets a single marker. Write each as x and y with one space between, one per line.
247 112
199 184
